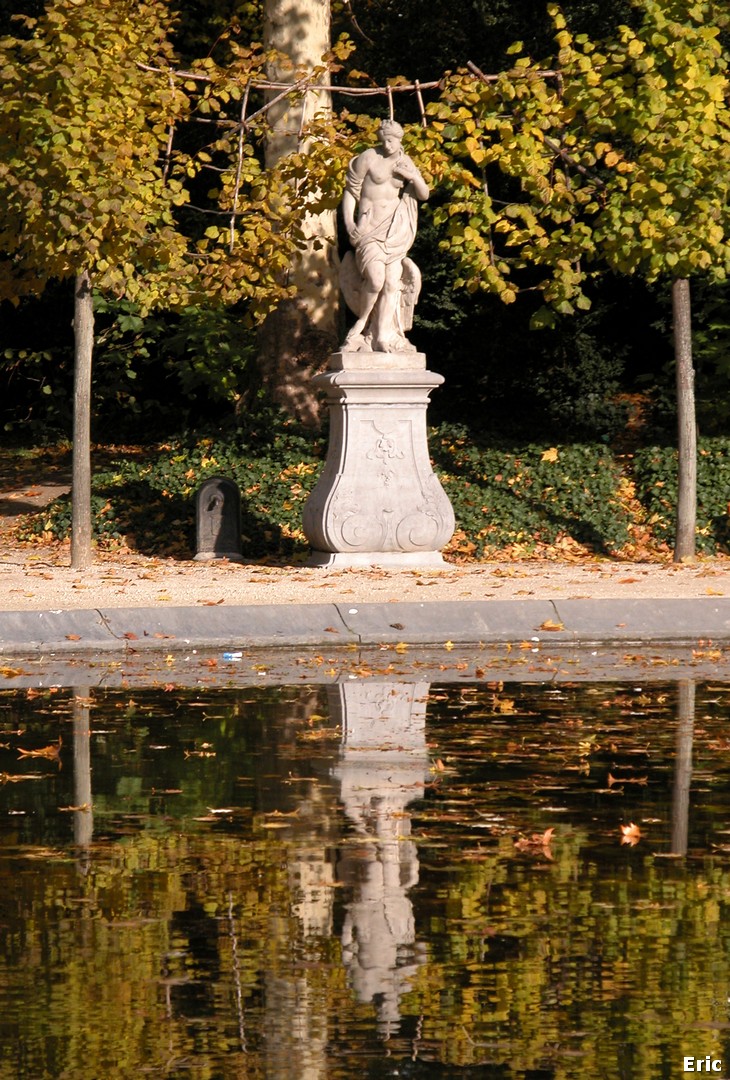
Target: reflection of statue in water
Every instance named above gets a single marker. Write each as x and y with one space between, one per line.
383 766
380 283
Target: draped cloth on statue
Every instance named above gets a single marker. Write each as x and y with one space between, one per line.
390 239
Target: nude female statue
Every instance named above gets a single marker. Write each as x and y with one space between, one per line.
381 284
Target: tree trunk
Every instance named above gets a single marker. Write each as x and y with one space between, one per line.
297 338
684 545
81 554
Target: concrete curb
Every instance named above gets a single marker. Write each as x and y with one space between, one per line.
493 622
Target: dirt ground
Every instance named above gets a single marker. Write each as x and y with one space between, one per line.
41 578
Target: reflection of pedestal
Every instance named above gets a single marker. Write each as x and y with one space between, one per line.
378 499
382 767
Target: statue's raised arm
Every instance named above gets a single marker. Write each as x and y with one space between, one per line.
380 208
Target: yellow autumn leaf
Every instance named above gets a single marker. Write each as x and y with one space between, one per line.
550 455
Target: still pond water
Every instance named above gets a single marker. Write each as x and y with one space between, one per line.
368 879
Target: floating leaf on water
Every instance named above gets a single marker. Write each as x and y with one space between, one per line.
50 753
538 843
630 834
11 673
12 778
642 780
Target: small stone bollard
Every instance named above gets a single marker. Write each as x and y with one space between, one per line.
218 520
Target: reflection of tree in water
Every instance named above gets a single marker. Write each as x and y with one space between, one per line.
683 765
83 815
294 780
192 968
215 944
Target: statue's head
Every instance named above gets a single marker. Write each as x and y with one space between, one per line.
390 129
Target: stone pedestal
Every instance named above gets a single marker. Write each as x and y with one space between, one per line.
378 501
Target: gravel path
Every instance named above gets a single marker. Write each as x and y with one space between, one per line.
42 579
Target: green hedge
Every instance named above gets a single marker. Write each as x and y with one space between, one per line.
655 472
531 494
528 496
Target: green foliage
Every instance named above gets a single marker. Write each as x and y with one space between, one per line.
153 374
151 180
204 355
530 495
712 339
443 37
619 158
207 25
516 498
655 471
84 129
150 499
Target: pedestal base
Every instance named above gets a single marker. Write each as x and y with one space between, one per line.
406 560
378 501
209 556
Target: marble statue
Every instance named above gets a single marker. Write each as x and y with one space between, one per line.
378 501
380 208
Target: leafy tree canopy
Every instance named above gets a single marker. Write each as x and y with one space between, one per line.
619 157
81 148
